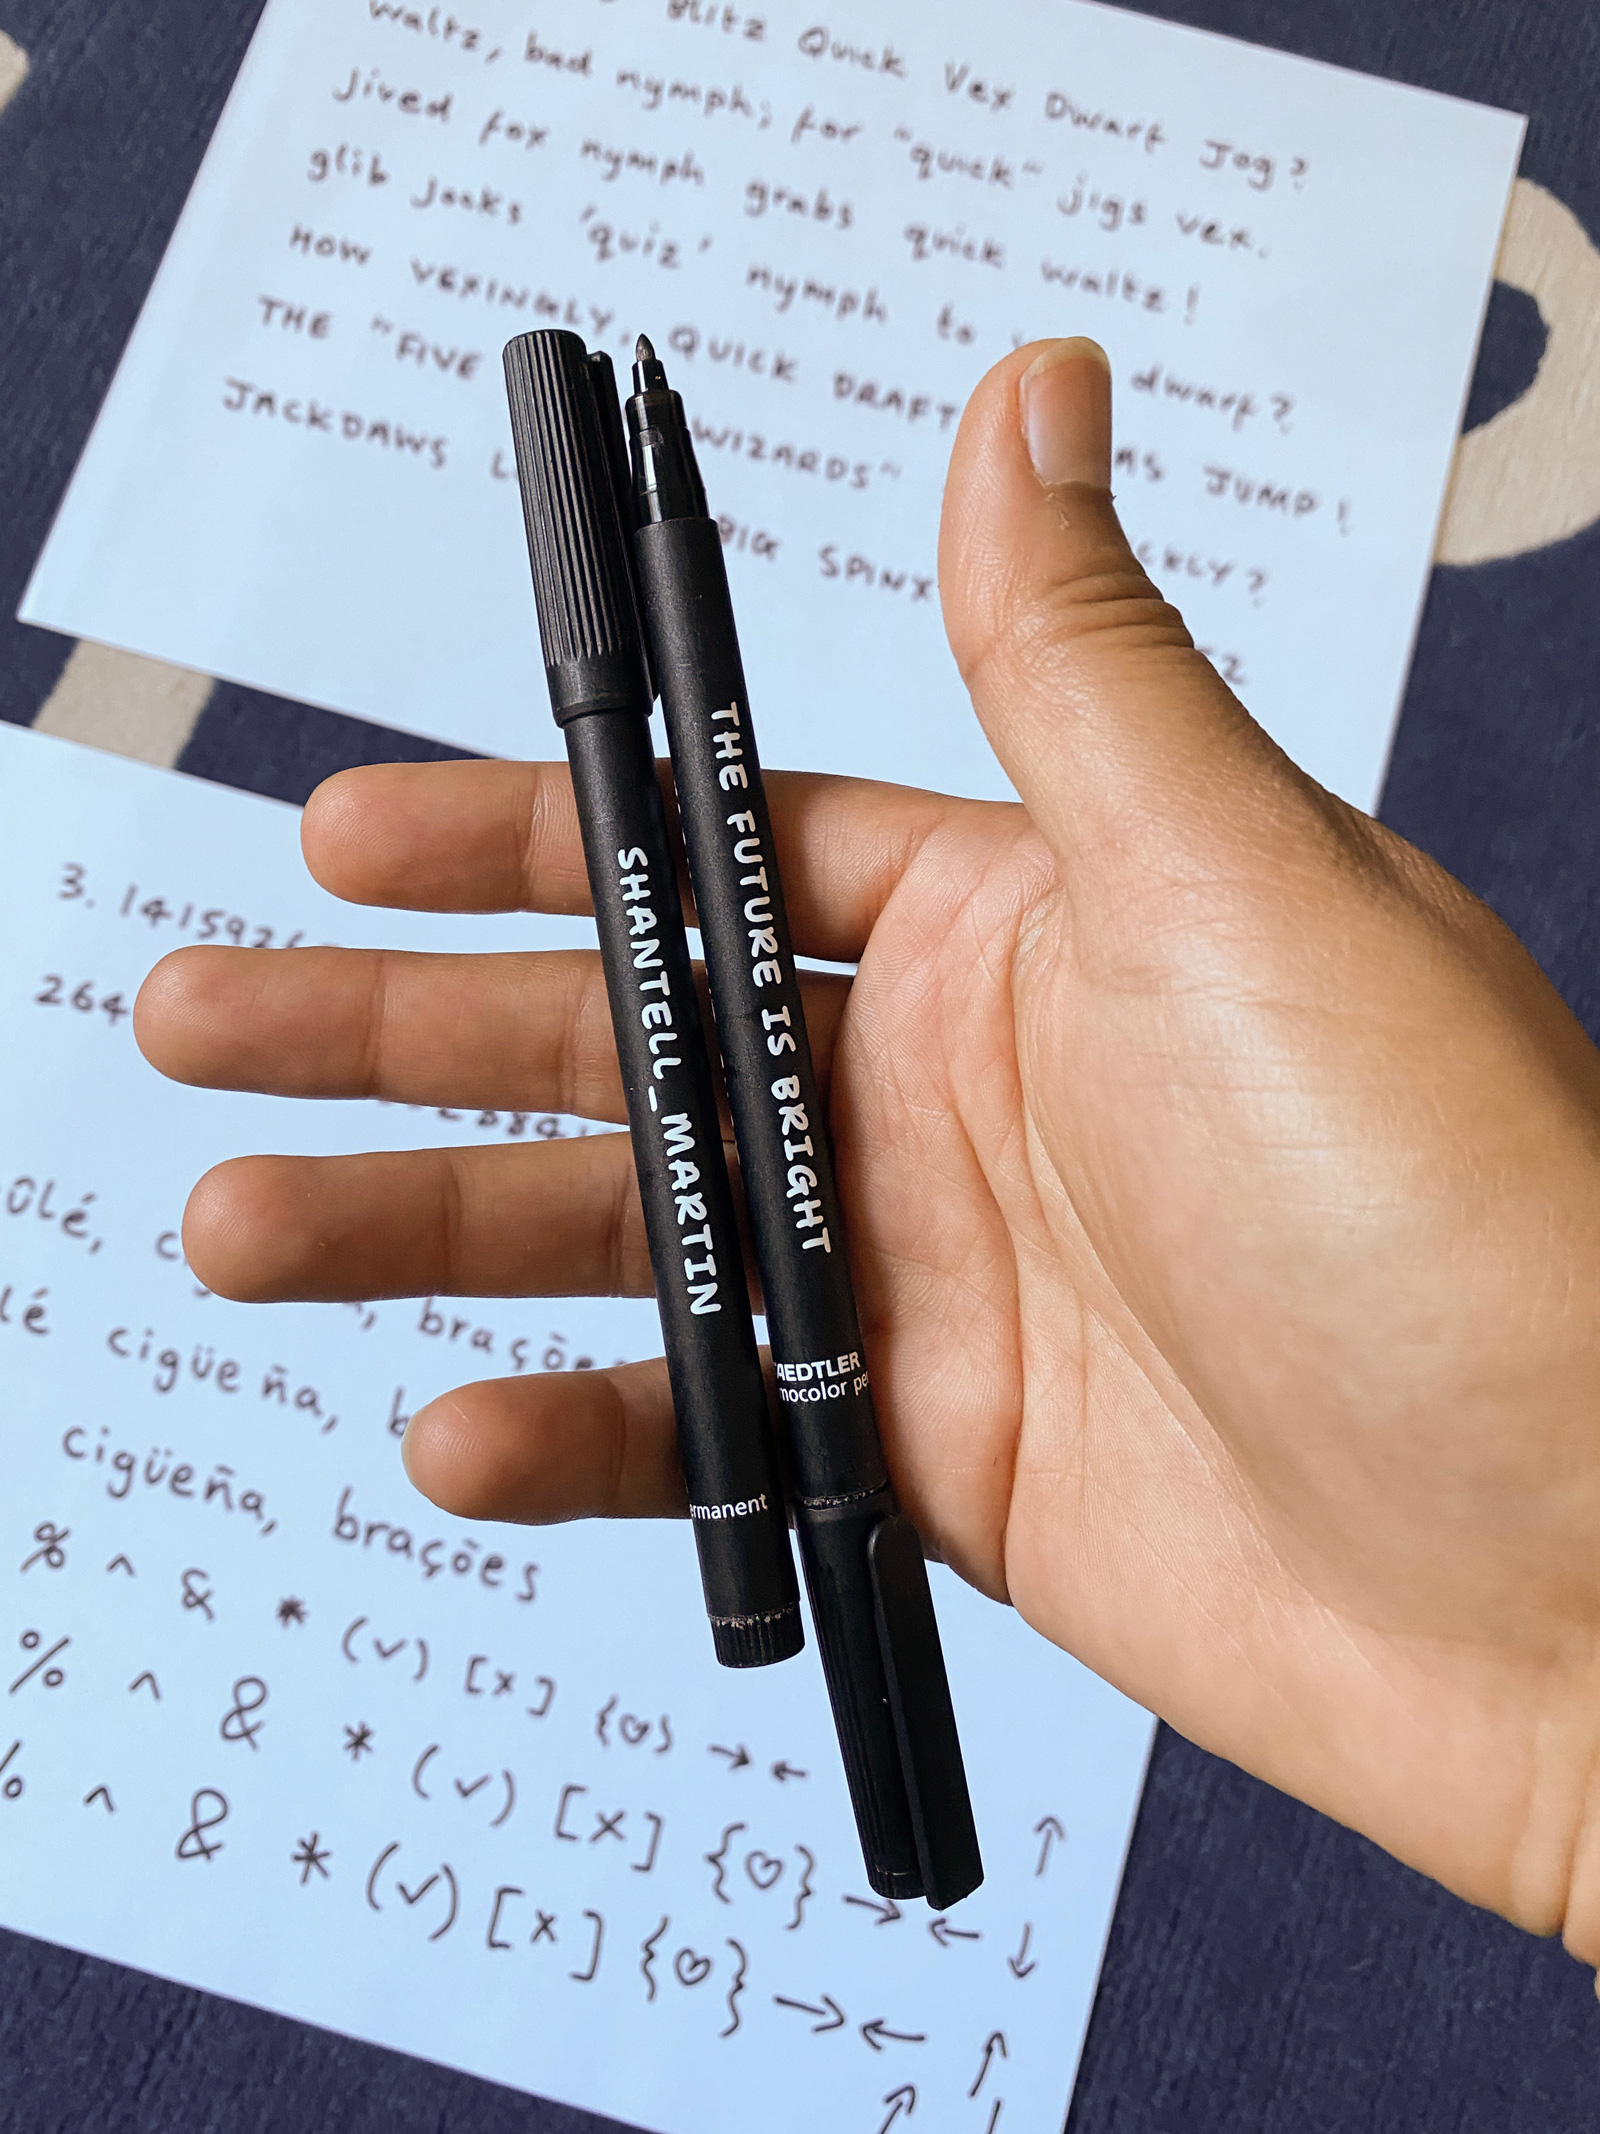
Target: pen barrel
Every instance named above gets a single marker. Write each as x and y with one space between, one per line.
785 1156
725 1432
863 1562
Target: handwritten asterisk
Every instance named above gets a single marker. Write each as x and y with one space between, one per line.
291 1611
358 1742
312 1856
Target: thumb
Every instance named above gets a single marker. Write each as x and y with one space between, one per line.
1085 680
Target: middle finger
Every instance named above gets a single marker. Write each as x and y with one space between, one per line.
519 1032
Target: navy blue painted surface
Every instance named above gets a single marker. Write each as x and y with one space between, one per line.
1268 1973
268 745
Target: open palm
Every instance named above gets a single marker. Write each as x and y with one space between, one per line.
1222 1184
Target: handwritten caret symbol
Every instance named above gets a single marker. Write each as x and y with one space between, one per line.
249 1695
208 1810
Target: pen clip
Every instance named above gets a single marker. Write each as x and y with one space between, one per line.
608 403
924 1719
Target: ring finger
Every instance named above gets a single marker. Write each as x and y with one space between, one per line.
548 1219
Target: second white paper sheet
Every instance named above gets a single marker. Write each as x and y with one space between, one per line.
302 478
273 1725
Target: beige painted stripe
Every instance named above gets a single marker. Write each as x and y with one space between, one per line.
13 69
1531 475
125 704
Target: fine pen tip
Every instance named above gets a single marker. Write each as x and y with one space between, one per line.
648 376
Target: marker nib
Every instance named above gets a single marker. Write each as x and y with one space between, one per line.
648 376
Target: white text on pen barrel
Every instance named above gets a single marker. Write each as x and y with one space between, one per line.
677 1133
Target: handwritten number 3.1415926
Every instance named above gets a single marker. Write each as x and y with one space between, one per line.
213 923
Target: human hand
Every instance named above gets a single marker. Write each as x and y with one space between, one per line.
1221 1177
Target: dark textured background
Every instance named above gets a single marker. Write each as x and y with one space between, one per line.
1268 1973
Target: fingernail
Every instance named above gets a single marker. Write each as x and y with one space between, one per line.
1066 413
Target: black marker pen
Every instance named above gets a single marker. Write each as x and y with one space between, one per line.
863 1561
594 660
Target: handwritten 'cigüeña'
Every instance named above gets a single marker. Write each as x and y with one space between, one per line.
218 1488
167 1368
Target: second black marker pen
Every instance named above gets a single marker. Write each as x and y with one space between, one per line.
863 1560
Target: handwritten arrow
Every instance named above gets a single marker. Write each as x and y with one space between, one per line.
993 2043
944 1933
782 1770
886 1908
1021 1964
737 1758
877 2034
834 2022
1049 1829
904 2099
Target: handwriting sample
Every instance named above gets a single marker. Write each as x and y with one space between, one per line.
303 477
273 1725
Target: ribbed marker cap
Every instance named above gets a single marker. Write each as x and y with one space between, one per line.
758 1640
593 653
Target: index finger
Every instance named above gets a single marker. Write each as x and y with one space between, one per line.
491 836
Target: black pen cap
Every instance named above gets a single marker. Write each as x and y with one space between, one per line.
931 1765
582 580
603 376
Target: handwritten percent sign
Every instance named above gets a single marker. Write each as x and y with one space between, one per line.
53 1677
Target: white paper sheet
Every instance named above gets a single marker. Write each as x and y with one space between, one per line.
831 224
271 1724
